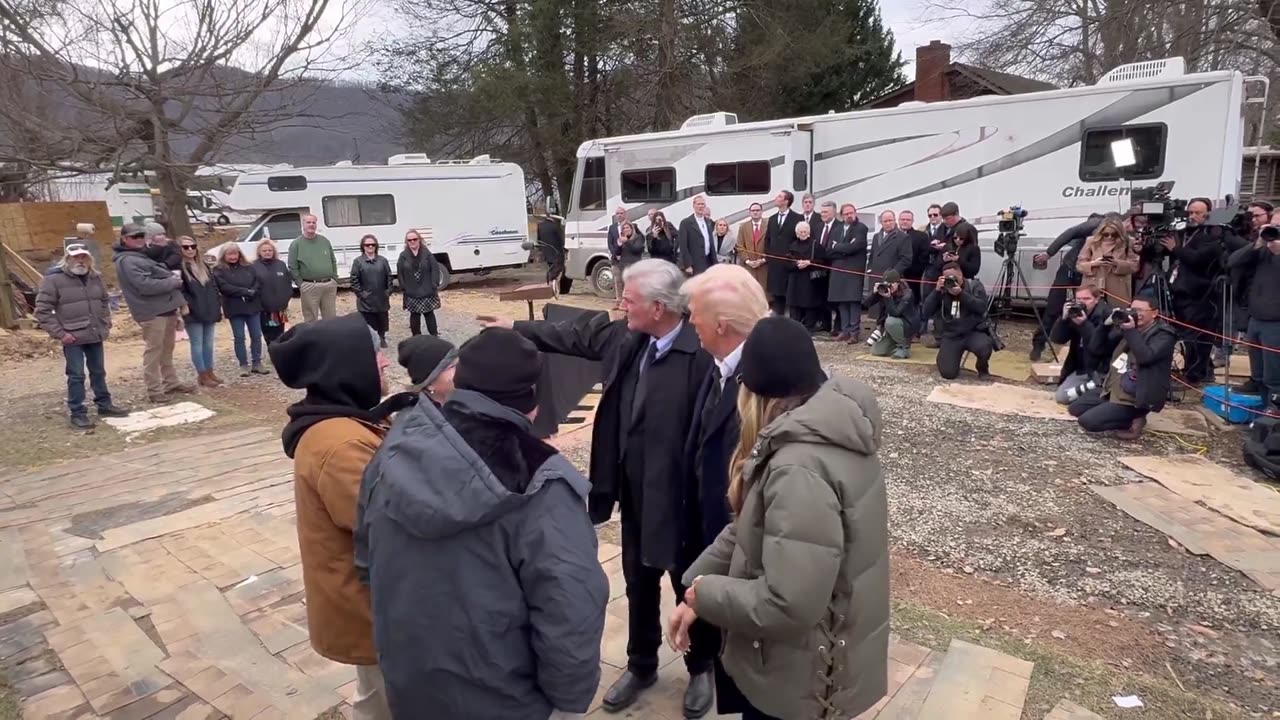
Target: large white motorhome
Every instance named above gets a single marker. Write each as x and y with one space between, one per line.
1049 152
470 212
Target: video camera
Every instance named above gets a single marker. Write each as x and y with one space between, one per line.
1163 213
1009 226
1120 316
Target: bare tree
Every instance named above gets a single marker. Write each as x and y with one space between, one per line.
162 86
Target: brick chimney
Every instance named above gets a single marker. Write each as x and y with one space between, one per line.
931 72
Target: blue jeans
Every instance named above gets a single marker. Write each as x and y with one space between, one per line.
77 357
200 335
254 324
1264 365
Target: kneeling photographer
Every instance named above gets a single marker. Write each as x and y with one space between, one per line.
1140 348
898 319
1082 371
959 309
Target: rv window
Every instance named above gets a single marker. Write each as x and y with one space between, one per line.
353 210
591 196
744 178
655 185
800 175
285 226
286 183
1098 162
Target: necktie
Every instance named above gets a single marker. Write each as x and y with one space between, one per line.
713 398
755 228
642 383
825 229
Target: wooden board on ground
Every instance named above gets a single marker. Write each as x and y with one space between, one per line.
1046 373
1240 368
1200 530
1003 364
977 683
112 660
1030 402
906 661
195 517
1067 710
1207 482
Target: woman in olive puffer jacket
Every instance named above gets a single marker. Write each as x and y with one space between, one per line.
799 582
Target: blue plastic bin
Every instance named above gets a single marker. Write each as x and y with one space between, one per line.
1241 403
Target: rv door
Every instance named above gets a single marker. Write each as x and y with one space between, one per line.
800 155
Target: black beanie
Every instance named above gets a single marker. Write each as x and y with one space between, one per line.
779 360
425 357
501 365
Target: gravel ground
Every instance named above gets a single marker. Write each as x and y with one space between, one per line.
985 499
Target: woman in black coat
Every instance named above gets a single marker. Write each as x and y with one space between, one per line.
806 289
238 285
275 288
662 240
371 282
419 274
203 311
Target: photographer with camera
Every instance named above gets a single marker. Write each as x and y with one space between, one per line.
1260 264
959 309
1197 254
1140 347
1080 318
1067 276
898 317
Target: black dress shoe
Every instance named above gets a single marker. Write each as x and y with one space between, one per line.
81 422
626 690
699 695
112 411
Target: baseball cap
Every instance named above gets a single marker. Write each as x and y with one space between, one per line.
132 230
76 249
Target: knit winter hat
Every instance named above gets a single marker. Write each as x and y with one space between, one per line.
501 365
779 360
892 276
425 357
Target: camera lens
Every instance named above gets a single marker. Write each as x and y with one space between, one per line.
1270 232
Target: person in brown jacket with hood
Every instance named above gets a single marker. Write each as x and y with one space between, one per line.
332 434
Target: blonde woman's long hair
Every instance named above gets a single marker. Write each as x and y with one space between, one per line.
755 412
1116 223
267 242
194 267
222 255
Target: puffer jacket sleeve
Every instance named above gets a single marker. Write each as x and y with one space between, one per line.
566 592
716 558
803 548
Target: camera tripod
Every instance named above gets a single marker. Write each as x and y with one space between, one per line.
1002 297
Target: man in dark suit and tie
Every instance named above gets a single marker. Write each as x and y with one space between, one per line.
809 214
890 250
781 233
697 240
725 303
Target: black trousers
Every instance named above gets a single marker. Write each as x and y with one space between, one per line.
415 323
1096 414
377 321
1053 306
1198 341
951 351
811 318
644 602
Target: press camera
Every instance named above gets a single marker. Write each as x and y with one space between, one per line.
1120 316
1009 226
1077 310
882 288
949 282
1163 213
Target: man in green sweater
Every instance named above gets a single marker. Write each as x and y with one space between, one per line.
315 271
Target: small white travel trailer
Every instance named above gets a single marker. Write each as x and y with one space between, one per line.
1049 152
471 213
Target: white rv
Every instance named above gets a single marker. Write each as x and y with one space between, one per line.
471 213
1049 152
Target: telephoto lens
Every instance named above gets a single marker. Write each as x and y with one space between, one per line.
1074 393
875 336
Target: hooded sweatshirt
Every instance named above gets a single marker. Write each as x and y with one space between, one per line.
336 362
488 596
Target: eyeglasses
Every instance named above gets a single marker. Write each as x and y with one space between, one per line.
934 215
1106 235
413 239
368 245
188 247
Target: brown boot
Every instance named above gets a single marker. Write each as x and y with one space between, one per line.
1135 430
203 380
216 380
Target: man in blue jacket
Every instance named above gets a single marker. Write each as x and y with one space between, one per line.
488 597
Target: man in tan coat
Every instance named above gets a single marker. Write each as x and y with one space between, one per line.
751 246
332 435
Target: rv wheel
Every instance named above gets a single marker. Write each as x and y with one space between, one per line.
224 220
445 278
602 279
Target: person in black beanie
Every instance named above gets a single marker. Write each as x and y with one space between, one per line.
431 362
332 435
807 555
466 515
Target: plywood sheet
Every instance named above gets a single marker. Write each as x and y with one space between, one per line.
1030 402
1204 481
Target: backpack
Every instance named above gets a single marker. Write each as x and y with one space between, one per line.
1262 446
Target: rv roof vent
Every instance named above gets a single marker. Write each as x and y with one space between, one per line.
715 119
343 163
409 159
481 160
1147 70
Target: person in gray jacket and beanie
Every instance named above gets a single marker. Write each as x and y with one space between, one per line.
71 306
153 293
799 582
488 597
